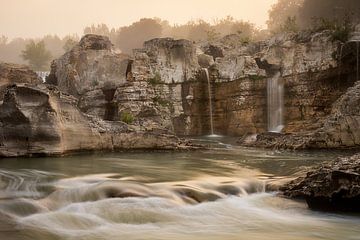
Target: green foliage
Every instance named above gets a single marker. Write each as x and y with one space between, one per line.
282 15
130 37
340 30
256 77
156 79
290 25
127 117
37 55
95 83
212 35
245 40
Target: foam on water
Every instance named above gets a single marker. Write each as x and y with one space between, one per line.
199 195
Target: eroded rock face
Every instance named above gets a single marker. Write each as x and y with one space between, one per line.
163 87
40 120
14 73
339 129
169 60
91 64
334 186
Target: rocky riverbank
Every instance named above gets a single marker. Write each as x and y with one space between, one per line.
333 186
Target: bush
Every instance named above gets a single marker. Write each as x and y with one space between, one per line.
127 117
290 25
156 79
340 30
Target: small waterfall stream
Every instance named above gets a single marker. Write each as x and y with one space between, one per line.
275 101
42 75
210 101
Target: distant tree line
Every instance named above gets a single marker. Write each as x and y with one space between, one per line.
35 52
133 36
39 52
337 16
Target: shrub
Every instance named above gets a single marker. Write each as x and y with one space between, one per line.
340 30
156 79
127 117
290 25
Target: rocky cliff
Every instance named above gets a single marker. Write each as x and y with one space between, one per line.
164 85
41 120
163 89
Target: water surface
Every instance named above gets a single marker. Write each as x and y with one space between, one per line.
210 194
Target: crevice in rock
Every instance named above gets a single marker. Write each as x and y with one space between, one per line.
128 74
111 107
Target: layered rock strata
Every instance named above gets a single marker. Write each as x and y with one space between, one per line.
42 121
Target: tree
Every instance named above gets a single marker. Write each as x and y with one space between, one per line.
332 10
69 44
290 25
282 13
308 13
136 34
37 55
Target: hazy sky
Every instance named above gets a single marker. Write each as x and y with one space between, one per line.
35 18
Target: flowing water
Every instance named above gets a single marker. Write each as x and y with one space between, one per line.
43 75
209 194
275 103
210 102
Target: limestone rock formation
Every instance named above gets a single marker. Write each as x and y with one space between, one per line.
40 120
340 129
91 64
163 87
14 73
333 186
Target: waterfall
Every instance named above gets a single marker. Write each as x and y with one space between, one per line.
210 101
42 75
275 101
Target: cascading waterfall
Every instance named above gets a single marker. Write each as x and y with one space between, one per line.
275 100
210 101
43 75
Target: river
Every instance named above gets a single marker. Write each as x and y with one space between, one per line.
207 194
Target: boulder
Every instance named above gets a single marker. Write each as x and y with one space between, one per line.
333 186
91 64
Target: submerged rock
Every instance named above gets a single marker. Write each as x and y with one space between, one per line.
333 186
